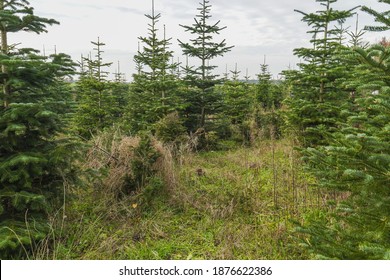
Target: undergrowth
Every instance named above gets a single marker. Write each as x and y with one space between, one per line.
235 204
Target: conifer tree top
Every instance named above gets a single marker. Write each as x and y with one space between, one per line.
153 59
17 15
203 46
380 17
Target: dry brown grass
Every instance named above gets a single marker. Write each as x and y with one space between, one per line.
166 166
115 152
240 205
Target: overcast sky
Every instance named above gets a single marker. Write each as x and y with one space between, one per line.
256 28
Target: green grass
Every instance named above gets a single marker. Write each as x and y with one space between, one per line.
242 207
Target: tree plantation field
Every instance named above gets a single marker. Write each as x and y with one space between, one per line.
183 163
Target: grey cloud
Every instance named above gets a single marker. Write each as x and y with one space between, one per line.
79 4
180 10
180 5
128 10
56 15
256 27
260 50
124 9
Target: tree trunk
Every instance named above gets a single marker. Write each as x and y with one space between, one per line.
325 57
203 116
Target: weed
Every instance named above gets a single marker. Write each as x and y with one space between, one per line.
227 212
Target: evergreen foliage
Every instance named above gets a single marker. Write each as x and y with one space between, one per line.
100 102
237 100
267 100
142 165
203 99
317 94
356 37
338 105
34 160
154 90
267 93
170 129
380 17
356 163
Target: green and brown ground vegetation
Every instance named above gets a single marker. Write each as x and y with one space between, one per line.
180 164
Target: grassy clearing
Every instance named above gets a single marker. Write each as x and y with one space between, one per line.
235 204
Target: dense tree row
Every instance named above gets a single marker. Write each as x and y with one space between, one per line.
340 104
336 104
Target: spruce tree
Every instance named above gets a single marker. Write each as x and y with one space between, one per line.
204 49
34 160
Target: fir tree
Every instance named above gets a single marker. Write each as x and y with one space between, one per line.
380 17
236 107
317 95
154 90
96 66
95 95
235 74
267 99
267 94
357 164
204 48
17 16
33 159
120 92
356 37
